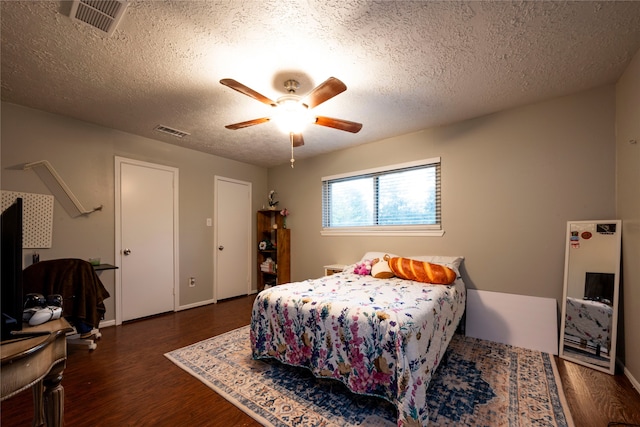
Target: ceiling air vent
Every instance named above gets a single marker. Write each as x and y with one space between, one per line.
173 132
104 15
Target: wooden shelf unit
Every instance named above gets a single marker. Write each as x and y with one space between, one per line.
280 254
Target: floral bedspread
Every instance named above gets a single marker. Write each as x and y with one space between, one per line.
381 337
589 320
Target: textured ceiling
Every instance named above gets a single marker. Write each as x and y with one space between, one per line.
408 65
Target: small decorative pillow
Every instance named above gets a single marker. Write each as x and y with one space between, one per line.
421 271
380 269
363 268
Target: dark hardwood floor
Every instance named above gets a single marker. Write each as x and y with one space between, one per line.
597 398
127 381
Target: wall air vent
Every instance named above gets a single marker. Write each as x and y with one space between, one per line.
173 132
104 15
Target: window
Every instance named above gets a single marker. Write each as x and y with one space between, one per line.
401 199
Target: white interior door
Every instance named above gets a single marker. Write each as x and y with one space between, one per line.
232 259
146 239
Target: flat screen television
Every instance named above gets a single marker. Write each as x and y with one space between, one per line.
599 287
11 277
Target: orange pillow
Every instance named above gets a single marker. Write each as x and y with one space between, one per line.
421 271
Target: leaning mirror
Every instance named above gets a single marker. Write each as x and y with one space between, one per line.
590 297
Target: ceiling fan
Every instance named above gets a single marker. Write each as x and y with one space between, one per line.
293 112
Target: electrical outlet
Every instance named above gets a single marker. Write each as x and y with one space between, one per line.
192 282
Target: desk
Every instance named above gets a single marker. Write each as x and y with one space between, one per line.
101 267
38 363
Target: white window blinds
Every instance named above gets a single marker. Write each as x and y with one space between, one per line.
396 197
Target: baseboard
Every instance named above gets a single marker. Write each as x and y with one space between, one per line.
196 304
112 322
107 323
633 381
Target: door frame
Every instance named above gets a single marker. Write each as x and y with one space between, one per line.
216 201
118 162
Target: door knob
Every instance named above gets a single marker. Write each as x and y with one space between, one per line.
126 251
220 247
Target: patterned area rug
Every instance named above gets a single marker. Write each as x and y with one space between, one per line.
478 383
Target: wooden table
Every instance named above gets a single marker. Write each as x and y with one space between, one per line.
38 362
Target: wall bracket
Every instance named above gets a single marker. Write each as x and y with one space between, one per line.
59 188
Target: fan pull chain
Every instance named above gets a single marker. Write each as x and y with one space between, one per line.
291 139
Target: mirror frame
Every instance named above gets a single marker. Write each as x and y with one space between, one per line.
616 290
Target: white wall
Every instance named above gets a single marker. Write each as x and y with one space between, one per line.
628 209
510 182
83 154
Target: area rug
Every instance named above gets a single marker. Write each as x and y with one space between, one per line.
478 383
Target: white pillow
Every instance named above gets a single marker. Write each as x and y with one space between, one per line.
453 262
373 255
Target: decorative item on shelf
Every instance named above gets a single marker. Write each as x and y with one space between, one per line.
285 213
273 203
266 245
268 266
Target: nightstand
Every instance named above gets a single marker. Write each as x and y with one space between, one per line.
333 269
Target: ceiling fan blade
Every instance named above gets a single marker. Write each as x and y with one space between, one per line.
247 91
248 123
298 140
352 127
324 91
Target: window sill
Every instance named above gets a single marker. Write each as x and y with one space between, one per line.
407 232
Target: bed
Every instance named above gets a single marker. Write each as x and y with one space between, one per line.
380 337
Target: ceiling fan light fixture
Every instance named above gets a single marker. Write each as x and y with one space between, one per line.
291 115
